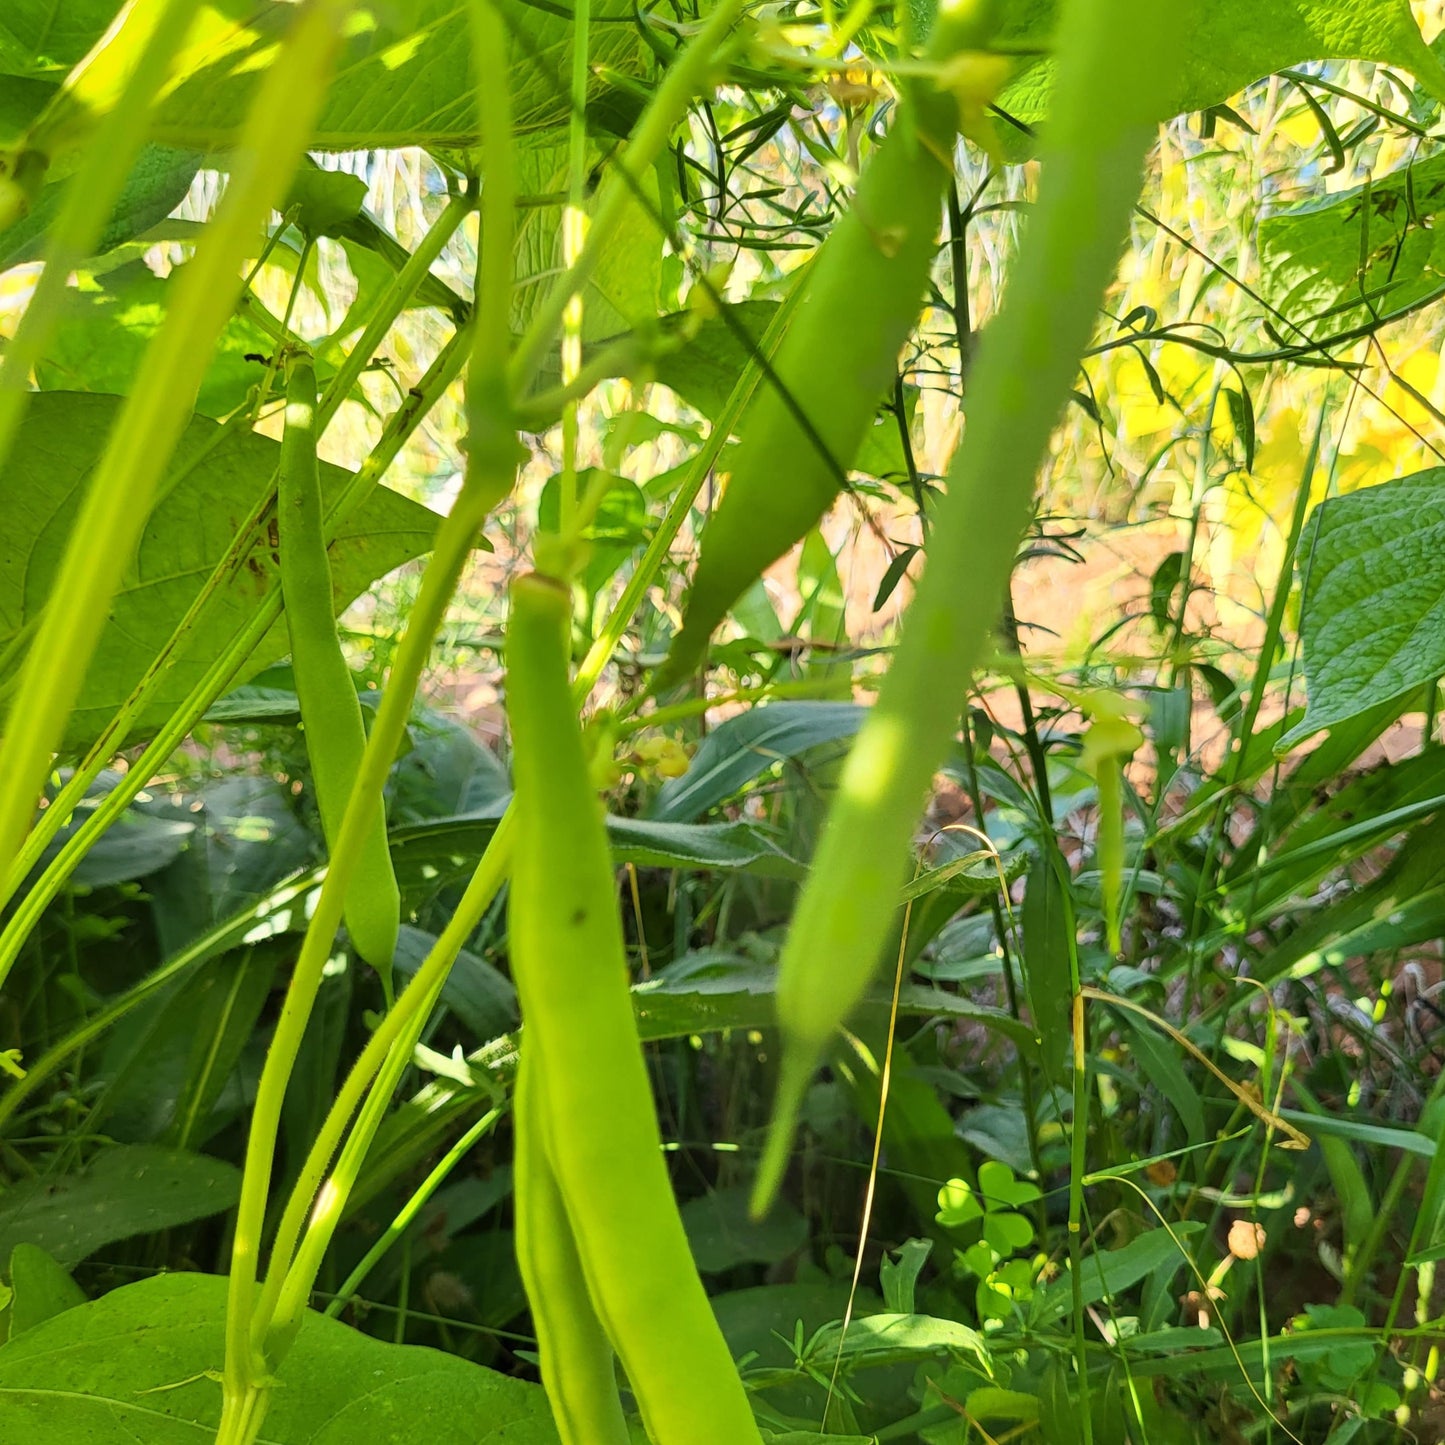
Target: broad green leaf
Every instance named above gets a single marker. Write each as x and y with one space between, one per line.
249 836
994 1404
39 37
1348 257
620 527
42 1289
448 771
215 479
1372 619
141 1364
723 1234
107 325
1236 42
142 841
405 78
124 1190
704 371
21 101
156 185
746 746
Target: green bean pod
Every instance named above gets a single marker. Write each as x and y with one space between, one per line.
1112 55
578 1362
598 1118
838 360
330 710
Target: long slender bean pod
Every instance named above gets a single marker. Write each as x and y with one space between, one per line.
395 1038
217 677
579 1369
1112 54
601 1126
330 708
118 499
248 533
862 297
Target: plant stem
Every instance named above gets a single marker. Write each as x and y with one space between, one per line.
492 458
683 80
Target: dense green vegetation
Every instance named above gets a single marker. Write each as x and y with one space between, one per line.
721 725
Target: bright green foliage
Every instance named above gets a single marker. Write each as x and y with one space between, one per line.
407 78
1225 45
1373 614
140 1364
158 1022
1003 1281
42 1289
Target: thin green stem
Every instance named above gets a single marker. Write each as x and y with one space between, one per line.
394 1039
410 1210
491 466
684 79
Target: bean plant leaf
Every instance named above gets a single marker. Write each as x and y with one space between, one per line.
142 841
1372 619
39 37
1236 42
141 1364
746 746
214 481
157 184
43 1289
406 79
1345 259
108 324
169 1063
124 1190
